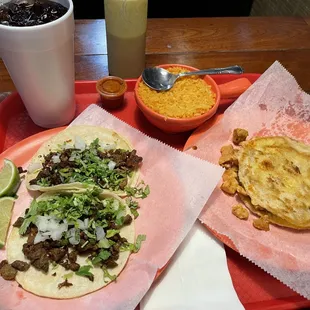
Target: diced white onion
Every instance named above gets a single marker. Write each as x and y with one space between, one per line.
39 237
72 157
108 146
83 225
74 236
64 226
86 222
100 233
67 146
115 205
111 165
120 214
79 143
34 166
56 234
50 227
56 159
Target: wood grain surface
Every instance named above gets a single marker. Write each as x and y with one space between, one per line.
252 42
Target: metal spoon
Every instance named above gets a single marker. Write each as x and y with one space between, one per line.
161 79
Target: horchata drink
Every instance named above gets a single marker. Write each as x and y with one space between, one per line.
37 47
126 23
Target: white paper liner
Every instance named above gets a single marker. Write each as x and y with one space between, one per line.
273 105
180 186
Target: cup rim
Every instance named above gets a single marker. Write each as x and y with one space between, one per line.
39 27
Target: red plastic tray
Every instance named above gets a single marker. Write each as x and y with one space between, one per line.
255 288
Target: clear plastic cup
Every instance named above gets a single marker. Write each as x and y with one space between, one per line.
126 24
40 61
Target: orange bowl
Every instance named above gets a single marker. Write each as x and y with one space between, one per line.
175 125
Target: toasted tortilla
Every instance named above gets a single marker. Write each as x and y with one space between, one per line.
275 173
46 285
87 134
262 212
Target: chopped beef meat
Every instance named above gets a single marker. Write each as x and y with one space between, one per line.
36 254
127 220
19 222
44 173
21 170
64 284
56 244
20 265
123 240
55 179
127 160
2 263
72 256
27 232
42 263
74 266
7 272
56 254
133 160
32 234
27 248
83 235
116 248
48 157
90 277
109 263
116 237
111 225
123 184
85 246
65 264
69 266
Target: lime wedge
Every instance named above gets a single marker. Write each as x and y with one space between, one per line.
9 179
6 206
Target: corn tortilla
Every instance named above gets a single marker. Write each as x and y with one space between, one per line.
46 285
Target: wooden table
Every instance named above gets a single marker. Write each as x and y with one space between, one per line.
254 43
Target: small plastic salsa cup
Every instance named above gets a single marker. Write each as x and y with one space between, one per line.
111 90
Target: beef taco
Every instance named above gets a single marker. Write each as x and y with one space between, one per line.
70 244
81 157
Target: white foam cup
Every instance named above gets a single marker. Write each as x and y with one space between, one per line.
40 61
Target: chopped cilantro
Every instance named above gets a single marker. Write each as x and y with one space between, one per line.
30 217
106 274
84 271
140 191
134 247
112 232
68 275
104 243
102 256
133 206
